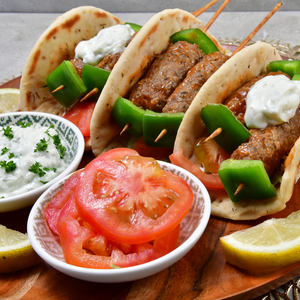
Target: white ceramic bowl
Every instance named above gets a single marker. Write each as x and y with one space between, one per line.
47 244
72 139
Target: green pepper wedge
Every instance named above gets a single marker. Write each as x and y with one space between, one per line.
73 88
290 67
94 77
250 173
154 123
134 26
125 112
296 77
233 131
195 36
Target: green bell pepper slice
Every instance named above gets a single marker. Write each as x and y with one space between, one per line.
195 36
134 26
296 77
94 77
125 112
73 87
290 67
153 125
233 131
252 174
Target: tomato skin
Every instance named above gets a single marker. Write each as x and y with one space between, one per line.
53 208
211 181
74 236
81 114
118 193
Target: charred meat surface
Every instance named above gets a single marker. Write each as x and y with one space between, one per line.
78 65
186 91
270 144
165 74
108 62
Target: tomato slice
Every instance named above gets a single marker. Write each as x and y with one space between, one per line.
129 198
53 208
75 239
81 114
155 152
211 181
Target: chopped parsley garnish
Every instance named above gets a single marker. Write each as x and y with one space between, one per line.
4 150
9 166
23 124
56 140
8 132
37 169
11 155
44 182
41 146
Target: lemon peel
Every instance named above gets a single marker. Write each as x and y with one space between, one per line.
16 252
273 244
9 100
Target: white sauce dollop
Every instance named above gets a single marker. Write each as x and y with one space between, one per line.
272 100
108 41
22 145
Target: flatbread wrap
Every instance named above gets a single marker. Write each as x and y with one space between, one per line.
58 45
55 45
152 41
244 66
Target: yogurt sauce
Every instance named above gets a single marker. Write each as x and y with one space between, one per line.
108 41
22 152
272 100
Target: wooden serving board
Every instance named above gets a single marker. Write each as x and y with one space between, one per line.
201 274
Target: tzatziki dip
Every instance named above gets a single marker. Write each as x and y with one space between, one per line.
109 40
30 156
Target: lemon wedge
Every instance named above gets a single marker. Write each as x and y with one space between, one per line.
16 252
9 100
273 244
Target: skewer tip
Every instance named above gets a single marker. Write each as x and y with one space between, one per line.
241 185
125 128
214 134
162 133
58 88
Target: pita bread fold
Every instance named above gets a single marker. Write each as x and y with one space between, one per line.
55 45
243 66
152 39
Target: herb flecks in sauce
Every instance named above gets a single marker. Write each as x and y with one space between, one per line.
32 152
8 132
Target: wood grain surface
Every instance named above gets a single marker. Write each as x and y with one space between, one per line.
201 274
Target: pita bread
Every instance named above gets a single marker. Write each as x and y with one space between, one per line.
245 65
55 45
152 39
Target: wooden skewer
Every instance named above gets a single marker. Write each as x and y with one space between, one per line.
162 133
260 25
58 89
241 185
217 13
214 134
198 12
91 93
125 128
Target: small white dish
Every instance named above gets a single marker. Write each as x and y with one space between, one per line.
47 244
69 134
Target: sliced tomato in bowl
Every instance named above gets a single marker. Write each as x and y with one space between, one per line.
130 199
84 247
